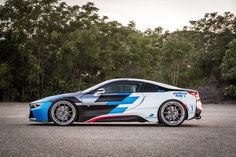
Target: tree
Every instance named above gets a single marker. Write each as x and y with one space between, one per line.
32 33
228 69
48 47
216 32
175 59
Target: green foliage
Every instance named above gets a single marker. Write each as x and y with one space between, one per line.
175 59
48 47
4 76
215 31
228 68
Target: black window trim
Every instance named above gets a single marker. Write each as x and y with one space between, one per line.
120 81
146 84
158 87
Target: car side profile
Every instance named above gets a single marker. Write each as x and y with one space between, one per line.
120 100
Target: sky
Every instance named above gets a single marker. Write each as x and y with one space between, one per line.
169 14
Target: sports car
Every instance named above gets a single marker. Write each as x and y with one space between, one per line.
120 100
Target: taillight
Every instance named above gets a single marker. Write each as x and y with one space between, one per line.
195 94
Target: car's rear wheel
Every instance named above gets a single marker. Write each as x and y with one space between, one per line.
172 113
63 113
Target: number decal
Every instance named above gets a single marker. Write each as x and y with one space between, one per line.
192 108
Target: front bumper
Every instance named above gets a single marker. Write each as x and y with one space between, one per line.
31 116
40 113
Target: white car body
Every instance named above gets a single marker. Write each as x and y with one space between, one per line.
145 101
147 105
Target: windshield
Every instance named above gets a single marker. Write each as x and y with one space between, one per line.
96 86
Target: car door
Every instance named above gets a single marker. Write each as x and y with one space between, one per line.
112 98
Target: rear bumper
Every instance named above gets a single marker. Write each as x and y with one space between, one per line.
198 109
198 114
199 105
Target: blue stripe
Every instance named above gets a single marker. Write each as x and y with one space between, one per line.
118 110
130 100
127 100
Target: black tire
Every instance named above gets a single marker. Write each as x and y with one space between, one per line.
172 113
63 117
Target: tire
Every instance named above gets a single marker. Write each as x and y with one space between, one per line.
172 113
63 113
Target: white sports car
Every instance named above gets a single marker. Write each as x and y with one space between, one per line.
116 100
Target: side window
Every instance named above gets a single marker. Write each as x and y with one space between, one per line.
122 88
148 87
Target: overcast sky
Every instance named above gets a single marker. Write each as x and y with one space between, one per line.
169 14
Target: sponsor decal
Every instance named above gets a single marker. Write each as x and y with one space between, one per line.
151 116
180 94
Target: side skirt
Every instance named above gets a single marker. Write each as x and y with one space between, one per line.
117 118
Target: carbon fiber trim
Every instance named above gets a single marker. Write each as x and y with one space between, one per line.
88 112
107 98
125 118
31 115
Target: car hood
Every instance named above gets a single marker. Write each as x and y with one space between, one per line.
51 98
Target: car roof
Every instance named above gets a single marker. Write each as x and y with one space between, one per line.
146 81
132 79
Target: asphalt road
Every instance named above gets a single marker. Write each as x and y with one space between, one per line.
214 135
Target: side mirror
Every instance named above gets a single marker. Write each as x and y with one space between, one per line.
100 91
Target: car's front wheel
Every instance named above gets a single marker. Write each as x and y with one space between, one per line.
63 113
172 113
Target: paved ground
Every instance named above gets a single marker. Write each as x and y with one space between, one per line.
214 135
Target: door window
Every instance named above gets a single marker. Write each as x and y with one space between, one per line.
148 87
122 88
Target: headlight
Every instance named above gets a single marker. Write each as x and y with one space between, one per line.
34 105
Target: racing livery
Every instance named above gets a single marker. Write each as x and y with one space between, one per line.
118 100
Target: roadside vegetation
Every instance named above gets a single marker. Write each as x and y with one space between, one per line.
48 47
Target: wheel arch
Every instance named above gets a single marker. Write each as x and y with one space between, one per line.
61 99
185 107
